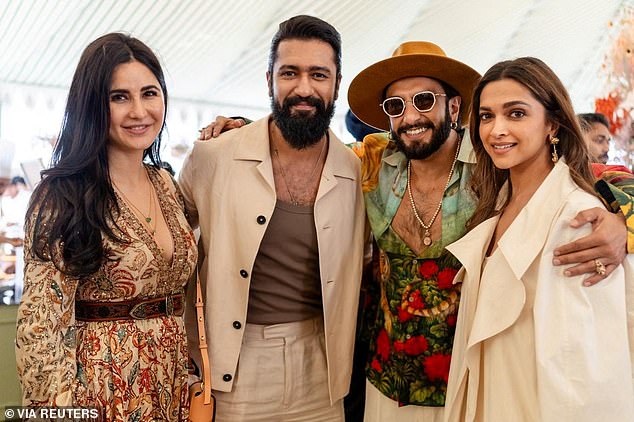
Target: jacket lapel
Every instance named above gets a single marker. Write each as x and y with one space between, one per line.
248 150
525 238
499 306
335 166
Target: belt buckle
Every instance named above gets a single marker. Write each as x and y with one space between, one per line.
169 305
139 311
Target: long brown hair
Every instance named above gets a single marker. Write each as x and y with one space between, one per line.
73 203
545 86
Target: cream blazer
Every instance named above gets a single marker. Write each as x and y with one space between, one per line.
229 190
583 358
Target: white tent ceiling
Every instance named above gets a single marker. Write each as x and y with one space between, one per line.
216 52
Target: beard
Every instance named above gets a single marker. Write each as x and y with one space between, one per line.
301 129
420 150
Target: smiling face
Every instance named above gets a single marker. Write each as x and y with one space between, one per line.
513 127
137 108
420 134
303 88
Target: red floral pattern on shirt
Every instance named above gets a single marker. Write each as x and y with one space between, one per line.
428 269
383 346
409 356
445 278
437 367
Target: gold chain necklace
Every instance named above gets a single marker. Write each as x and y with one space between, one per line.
147 219
283 173
427 236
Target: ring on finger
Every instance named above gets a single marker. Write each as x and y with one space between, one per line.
599 267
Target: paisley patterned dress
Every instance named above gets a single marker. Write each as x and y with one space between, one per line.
132 370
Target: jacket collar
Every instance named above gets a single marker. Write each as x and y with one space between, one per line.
543 206
471 248
545 203
336 162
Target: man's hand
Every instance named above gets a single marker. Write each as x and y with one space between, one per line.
13 241
218 126
606 245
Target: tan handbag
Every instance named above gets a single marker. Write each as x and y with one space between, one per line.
202 403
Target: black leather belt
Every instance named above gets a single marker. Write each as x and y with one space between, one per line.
130 309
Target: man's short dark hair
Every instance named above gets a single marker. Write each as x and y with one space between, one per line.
588 119
18 180
305 27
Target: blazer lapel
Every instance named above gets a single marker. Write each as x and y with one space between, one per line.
499 305
335 166
525 238
252 147
471 248
470 251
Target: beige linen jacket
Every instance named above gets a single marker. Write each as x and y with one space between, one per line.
229 190
583 359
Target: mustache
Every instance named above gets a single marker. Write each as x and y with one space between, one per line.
312 101
421 123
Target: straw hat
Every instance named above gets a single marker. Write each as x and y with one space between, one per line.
410 59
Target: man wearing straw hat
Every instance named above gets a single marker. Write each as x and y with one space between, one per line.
415 180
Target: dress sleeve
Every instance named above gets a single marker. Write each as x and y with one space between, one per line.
615 185
45 344
581 344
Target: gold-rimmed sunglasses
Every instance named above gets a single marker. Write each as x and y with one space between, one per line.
422 101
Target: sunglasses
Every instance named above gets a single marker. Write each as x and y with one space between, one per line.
423 102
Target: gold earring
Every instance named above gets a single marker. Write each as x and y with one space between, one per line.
554 141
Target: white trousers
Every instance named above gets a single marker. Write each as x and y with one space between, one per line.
379 408
282 376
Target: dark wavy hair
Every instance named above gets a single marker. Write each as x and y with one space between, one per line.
75 201
547 88
303 27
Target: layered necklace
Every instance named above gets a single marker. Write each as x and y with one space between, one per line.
310 176
427 226
149 219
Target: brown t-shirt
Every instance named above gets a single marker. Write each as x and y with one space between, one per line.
285 281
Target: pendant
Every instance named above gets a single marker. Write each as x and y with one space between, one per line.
148 219
427 238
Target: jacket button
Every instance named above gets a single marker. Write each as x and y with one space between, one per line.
244 274
261 219
237 325
227 377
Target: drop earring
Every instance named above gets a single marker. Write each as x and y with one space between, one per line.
554 141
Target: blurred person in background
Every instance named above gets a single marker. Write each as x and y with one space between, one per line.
596 132
15 201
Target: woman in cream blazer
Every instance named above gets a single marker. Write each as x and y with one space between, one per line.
532 344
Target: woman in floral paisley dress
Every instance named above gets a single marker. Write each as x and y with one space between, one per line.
108 250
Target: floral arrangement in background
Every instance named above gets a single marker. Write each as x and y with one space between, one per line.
618 104
612 107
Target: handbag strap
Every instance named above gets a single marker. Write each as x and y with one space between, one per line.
202 341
